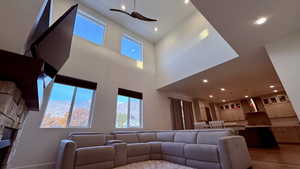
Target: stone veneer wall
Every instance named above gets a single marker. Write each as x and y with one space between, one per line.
12 106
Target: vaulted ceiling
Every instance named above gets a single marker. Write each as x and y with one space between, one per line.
169 13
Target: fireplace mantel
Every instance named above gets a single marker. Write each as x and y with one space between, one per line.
24 71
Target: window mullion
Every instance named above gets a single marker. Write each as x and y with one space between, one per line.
71 107
141 113
128 113
91 109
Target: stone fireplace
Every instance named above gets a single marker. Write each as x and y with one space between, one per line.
12 114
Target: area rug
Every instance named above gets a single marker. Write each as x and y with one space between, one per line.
153 164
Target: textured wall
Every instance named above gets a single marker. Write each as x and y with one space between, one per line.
12 106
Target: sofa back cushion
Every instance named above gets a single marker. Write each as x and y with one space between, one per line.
127 138
165 136
147 137
109 137
187 137
211 137
88 140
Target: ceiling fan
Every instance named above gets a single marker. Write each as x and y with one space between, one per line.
135 14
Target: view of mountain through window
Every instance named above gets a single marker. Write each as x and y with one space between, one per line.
68 107
129 112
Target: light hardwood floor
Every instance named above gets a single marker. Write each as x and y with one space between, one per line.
286 157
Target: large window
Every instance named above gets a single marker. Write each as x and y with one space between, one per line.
68 106
131 48
89 29
129 109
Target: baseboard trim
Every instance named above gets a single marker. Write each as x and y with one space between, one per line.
37 166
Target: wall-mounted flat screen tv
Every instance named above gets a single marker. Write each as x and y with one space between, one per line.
53 46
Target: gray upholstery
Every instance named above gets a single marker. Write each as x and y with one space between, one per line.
138 158
120 154
109 137
103 165
175 149
127 138
66 155
137 149
201 152
90 155
185 137
165 136
89 140
211 137
202 149
234 153
155 147
147 137
174 159
202 164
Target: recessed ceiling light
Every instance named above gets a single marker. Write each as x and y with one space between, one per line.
186 1
246 96
156 29
211 96
222 89
205 81
275 91
223 100
272 86
123 7
261 20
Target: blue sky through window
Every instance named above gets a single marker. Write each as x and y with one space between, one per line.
131 48
89 29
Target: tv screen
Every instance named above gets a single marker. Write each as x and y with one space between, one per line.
40 26
53 46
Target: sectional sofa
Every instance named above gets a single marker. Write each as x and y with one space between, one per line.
203 149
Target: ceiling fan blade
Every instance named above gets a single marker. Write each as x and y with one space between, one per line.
121 11
141 17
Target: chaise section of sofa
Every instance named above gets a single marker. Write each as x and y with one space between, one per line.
203 149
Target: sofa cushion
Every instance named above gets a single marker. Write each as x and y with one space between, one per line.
201 152
185 137
174 149
155 147
202 164
147 137
88 140
174 159
127 138
109 137
211 137
89 155
137 149
165 136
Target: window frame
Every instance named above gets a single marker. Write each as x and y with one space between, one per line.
135 40
141 120
97 21
70 112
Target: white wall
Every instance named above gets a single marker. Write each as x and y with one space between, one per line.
17 19
285 56
190 48
37 147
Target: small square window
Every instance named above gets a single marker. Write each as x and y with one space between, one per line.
131 48
89 29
